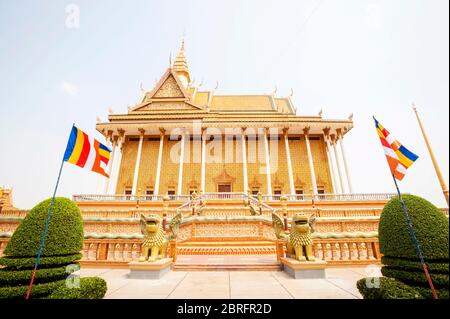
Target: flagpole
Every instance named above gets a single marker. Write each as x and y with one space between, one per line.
416 243
433 158
49 216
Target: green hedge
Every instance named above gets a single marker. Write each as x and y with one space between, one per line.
22 277
38 291
64 235
426 292
429 223
90 288
389 289
415 277
63 243
400 260
414 265
28 262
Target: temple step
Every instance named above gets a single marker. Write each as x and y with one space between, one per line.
237 248
221 267
227 263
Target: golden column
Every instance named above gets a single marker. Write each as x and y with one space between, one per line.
289 162
111 139
117 162
433 158
244 160
266 152
310 160
138 162
158 165
203 164
180 167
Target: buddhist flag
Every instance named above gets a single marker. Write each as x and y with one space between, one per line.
87 152
399 157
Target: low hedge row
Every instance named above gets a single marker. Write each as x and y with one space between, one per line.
427 293
28 262
22 277
90 288
389 288
38 291
415 278
439 267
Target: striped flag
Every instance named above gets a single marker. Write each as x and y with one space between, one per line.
399 157
87 152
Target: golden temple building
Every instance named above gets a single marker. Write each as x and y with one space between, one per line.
180 139
226 163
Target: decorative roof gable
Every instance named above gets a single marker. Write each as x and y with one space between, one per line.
168 94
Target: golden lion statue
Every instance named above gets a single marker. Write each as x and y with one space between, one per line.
155 240
299 241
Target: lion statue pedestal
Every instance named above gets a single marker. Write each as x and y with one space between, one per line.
149 270
304 269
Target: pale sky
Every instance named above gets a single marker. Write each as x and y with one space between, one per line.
365 57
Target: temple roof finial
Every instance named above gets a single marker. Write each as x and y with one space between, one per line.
180 64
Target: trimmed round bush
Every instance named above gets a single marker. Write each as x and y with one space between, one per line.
389 288
401 260
90 288
62 247
64 234
429 224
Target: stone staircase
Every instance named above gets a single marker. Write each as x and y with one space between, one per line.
227 248
226 263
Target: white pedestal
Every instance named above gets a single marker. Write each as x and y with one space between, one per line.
149 270
304 269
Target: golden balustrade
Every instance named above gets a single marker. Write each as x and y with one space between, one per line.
116 253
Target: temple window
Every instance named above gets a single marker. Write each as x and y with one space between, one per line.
149 192
277 193
224 188
128 192
320 190
171 192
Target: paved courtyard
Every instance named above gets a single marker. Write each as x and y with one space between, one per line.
340 283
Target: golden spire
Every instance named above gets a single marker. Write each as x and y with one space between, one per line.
180 66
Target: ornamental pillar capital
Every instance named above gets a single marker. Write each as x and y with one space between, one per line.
306 130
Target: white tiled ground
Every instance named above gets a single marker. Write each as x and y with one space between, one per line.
340 283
